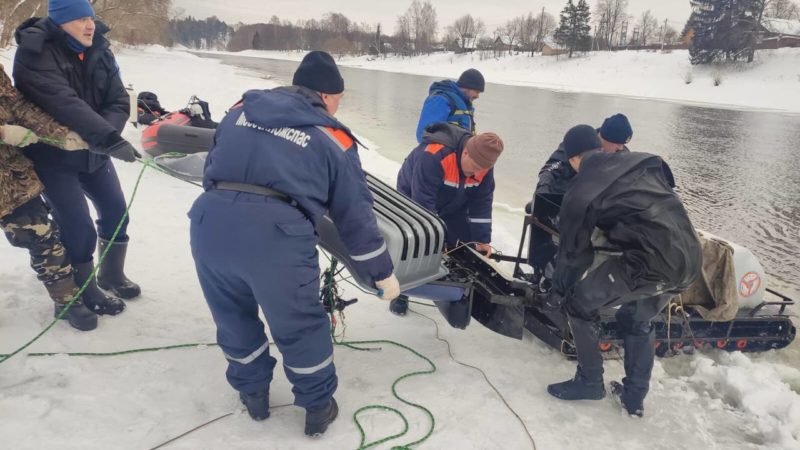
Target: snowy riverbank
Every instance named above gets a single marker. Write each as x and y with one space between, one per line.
772 82
714 400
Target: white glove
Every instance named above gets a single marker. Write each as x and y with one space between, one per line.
196 110
17 136
389 288
74 142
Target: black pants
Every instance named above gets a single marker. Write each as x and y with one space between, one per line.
66 191
606 286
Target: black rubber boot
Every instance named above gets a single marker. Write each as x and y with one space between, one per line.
318 419
640 352
633 408
78 315
111 276
588 381
93 297
579 388
399 306
257 404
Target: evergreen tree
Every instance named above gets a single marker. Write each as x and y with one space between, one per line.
573 29
723 29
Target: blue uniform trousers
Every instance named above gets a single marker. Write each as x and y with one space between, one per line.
252 251
66 190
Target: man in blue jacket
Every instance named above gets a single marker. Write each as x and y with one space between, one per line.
279 162
451 174
451 102
64 66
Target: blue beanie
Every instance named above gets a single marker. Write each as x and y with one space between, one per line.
318 72
617 129
63 11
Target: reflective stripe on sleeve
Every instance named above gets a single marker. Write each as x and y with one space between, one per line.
369 255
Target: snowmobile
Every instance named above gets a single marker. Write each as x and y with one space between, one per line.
465 285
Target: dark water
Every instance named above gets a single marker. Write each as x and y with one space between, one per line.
737 171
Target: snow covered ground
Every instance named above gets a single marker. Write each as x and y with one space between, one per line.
709 401
771 82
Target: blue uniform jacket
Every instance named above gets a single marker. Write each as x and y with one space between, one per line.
446 103
86 95
431 175
285 140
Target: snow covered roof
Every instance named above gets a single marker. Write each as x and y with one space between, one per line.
782 26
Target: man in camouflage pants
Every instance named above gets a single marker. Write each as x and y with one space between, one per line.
23 215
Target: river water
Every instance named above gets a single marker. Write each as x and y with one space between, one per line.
737 171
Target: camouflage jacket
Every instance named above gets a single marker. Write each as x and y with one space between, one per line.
18 181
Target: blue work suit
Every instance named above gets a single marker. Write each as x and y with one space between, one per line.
253 251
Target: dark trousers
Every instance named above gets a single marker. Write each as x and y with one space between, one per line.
609 285
256 252
29 226
66 191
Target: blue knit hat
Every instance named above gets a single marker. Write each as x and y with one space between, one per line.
616 129
318 72
63 11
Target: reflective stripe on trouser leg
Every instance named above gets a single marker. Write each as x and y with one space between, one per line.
240 331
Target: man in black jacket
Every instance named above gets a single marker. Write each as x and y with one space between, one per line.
64 65
625 240
554 179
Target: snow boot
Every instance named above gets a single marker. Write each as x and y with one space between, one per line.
111 276
318 419
78 315
92 296
632 406
257 404
579 388
399 306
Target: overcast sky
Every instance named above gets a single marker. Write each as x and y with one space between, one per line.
493 13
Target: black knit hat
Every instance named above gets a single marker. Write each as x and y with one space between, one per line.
617 129
318 72
471 79
579 139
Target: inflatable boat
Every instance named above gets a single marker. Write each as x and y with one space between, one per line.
465 285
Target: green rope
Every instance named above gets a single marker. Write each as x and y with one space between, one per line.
328 296
75 298
125 352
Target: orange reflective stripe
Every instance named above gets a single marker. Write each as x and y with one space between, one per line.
434 148
341 136
450 167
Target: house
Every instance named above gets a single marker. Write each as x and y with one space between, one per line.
779 33
551 48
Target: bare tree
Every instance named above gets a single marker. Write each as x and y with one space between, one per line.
467 29
648 27
422 24
546 24
336 24
782 9
511 32
609 16
403 33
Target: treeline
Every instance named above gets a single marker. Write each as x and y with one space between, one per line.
206 34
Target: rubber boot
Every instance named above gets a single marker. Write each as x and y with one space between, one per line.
78 315
640 351
257 404
111 276
399 306
618 391
93 297
588 381
318 419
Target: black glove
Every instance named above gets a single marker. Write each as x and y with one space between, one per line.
551 300
118 148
